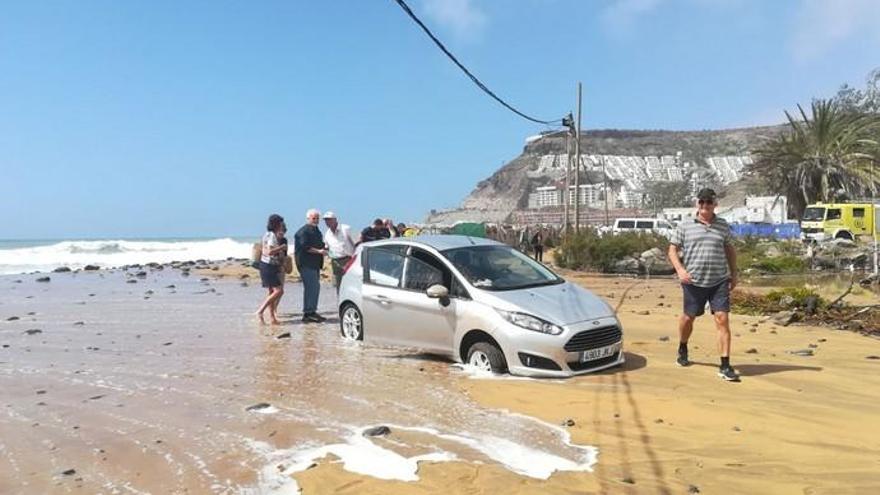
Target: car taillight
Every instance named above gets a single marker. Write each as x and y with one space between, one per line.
349 264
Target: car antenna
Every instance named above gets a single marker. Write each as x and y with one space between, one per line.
472 241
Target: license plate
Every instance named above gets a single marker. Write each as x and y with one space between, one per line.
594 354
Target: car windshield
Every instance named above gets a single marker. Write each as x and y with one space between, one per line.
814 214
499 268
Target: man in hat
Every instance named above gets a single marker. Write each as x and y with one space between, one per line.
705 261
340 245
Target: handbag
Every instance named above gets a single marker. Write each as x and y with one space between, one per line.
256 254
288 265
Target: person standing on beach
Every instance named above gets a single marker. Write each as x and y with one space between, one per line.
705 261
309 253
340 246
270 266
374 232
538 246
283 255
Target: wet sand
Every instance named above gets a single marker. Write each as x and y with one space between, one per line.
147 392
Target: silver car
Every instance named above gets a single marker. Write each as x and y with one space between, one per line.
479 302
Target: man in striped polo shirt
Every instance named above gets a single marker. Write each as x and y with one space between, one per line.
705 261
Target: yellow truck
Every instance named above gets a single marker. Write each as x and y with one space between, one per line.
853 221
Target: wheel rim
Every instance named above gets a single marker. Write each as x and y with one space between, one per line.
480 360
351 324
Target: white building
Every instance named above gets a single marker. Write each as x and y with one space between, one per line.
545 196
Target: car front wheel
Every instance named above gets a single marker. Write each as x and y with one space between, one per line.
487 357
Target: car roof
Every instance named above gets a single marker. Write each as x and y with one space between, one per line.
439 242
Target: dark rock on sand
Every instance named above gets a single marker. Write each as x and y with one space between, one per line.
96 397
872 357
802 352
33 331
629 481
643 313
693 489
377 431
31 313
168 343
79 323
91 268
172 286
69 472
258 407
43 279
13 318
568 422
62 269
664 338
141 274
752 351
131 281
813 346
285 335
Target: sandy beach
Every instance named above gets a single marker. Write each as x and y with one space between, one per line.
150 386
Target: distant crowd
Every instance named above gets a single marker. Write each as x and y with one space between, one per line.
275 258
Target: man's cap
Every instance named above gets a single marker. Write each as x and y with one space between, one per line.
707 194
378 221
329 214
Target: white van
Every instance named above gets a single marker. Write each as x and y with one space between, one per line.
656 225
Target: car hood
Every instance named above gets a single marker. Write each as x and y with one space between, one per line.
562 304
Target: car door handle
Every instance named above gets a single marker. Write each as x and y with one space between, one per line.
383 300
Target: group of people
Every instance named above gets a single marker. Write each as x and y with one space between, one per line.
309 250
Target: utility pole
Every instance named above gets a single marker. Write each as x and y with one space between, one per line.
876 221
567 121
577 167
605 187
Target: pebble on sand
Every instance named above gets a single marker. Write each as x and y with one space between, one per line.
258 406
377 431
43 279
33 331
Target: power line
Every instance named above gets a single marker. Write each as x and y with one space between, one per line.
473 78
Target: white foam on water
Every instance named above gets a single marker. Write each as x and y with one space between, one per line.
360 455
116 253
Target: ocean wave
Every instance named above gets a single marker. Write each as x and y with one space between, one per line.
115 253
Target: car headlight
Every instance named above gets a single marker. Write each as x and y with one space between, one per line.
530 322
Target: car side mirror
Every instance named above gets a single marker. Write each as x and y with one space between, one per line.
439 292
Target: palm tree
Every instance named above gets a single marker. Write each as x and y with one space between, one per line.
824 156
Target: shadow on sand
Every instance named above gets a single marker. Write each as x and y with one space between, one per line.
762 369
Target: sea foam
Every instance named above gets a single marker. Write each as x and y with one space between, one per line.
115 253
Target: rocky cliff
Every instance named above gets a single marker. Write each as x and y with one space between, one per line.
505 191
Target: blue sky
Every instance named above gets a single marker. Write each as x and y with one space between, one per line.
152 118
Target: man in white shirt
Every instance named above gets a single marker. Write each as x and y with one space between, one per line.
340 245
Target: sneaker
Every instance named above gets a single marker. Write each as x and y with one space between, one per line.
683 359
318 318
727 373
311 318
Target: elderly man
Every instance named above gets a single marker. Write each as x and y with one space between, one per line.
309 253
705 261
340 245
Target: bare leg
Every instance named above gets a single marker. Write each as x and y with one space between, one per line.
267 303
273 308
722 323
685 327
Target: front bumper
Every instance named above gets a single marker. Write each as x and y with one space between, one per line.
551 348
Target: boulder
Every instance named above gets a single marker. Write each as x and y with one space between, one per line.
627 265
43 279
61 269
91 268
785 318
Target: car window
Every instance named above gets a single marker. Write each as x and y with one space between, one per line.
421 275
385 265
833 214
424 270
626 224
645 225
665 225
858 212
